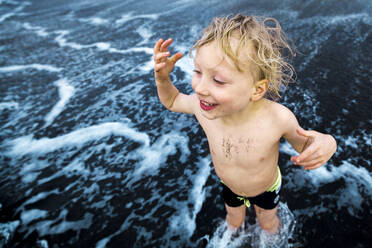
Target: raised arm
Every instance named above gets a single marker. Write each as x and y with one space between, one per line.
168 94
315 148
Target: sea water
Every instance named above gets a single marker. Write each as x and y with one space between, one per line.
90 158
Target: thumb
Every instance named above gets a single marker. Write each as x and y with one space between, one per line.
304 132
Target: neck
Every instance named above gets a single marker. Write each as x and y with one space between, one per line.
245 115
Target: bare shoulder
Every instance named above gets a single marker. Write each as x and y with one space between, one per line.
282 116
279 111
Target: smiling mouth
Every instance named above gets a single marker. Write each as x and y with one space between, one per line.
207 106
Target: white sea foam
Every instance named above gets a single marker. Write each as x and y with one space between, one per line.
288 149
42 243
145 33
197 193
65 91
102 243
8 105
325 23
129 16
7 230
35 198
103 46
9 2
15 12
186 64
186 217
30 171
98 21
345 19
27 144
61 225
156 155
148 66
253 235
62 41
346 170
33 214
40 31
39 67
358 181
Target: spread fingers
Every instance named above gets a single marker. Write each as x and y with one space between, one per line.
159 57
165 44
157 46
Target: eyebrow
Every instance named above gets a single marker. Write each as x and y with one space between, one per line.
210 69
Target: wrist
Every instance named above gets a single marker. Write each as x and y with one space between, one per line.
162 81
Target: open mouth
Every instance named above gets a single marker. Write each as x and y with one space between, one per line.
207 106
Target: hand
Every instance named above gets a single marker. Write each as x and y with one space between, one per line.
318 149
163 64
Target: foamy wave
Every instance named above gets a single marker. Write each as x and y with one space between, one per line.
27 144
156 155
15 12
8 2
7 231
61 225
33 214
346 170
145 33
186 218
349 18
357 181
65 93
103 46
128 17
62 41
40 31
186 64
288 149
39 67
253 235
325 23
8 105
95 21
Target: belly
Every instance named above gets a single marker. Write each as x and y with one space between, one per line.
247 180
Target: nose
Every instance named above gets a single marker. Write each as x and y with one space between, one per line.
200 86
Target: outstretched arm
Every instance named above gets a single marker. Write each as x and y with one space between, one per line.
315 148
168 94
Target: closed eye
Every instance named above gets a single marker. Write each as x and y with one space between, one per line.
197 72
218 82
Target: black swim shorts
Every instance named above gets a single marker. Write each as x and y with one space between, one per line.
267 200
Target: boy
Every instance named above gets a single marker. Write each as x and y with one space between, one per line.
237 64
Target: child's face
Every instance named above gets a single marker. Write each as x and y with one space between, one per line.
223 91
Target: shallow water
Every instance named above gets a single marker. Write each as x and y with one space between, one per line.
90 158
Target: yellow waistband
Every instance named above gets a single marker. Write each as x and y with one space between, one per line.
277 183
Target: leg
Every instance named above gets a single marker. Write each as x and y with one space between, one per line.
235 216
268 219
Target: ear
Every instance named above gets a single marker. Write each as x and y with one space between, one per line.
259 89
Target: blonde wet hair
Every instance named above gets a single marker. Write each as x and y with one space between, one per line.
266 38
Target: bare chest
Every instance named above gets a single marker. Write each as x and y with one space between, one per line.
241 148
